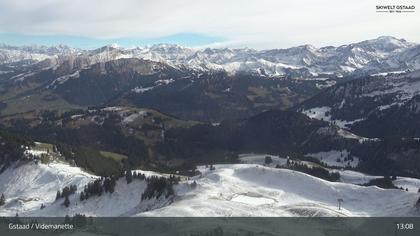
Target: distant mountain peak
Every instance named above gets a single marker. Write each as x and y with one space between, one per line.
114 45
385 53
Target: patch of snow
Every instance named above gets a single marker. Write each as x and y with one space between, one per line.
362 140
251 158
5 72
22 77
62 79
76 116
112 109
323 113
415 74
319 113
342 104
142 90
354 177
346 134
326 84
164 81
132 117
412 184
384 107
252 200
335 158
344 123
390 73
37 153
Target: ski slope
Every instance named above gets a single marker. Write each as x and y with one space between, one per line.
255 190
28 185
229 190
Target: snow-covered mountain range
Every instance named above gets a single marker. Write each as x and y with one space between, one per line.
383 54
97 109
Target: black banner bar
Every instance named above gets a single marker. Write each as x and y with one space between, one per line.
209 226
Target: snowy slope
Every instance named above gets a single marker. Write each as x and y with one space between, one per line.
331 158
373 106
323 113
252 158
254 190
229 190
28 185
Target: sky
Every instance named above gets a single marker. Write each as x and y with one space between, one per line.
259 24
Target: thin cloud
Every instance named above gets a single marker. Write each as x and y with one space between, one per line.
252 23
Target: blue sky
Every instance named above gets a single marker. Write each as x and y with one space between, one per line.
185 39
259 24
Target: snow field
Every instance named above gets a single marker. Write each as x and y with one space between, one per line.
229 190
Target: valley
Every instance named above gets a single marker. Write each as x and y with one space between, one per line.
166 130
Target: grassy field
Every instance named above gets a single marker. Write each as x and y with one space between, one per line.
36 102
43 147
113 155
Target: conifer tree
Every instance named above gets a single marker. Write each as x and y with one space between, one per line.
106 184
67 202
418 204
2 200
268 160
58 196
73 188
128 176
112 185
65 192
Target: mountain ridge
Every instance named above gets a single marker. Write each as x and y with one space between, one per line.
368 56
